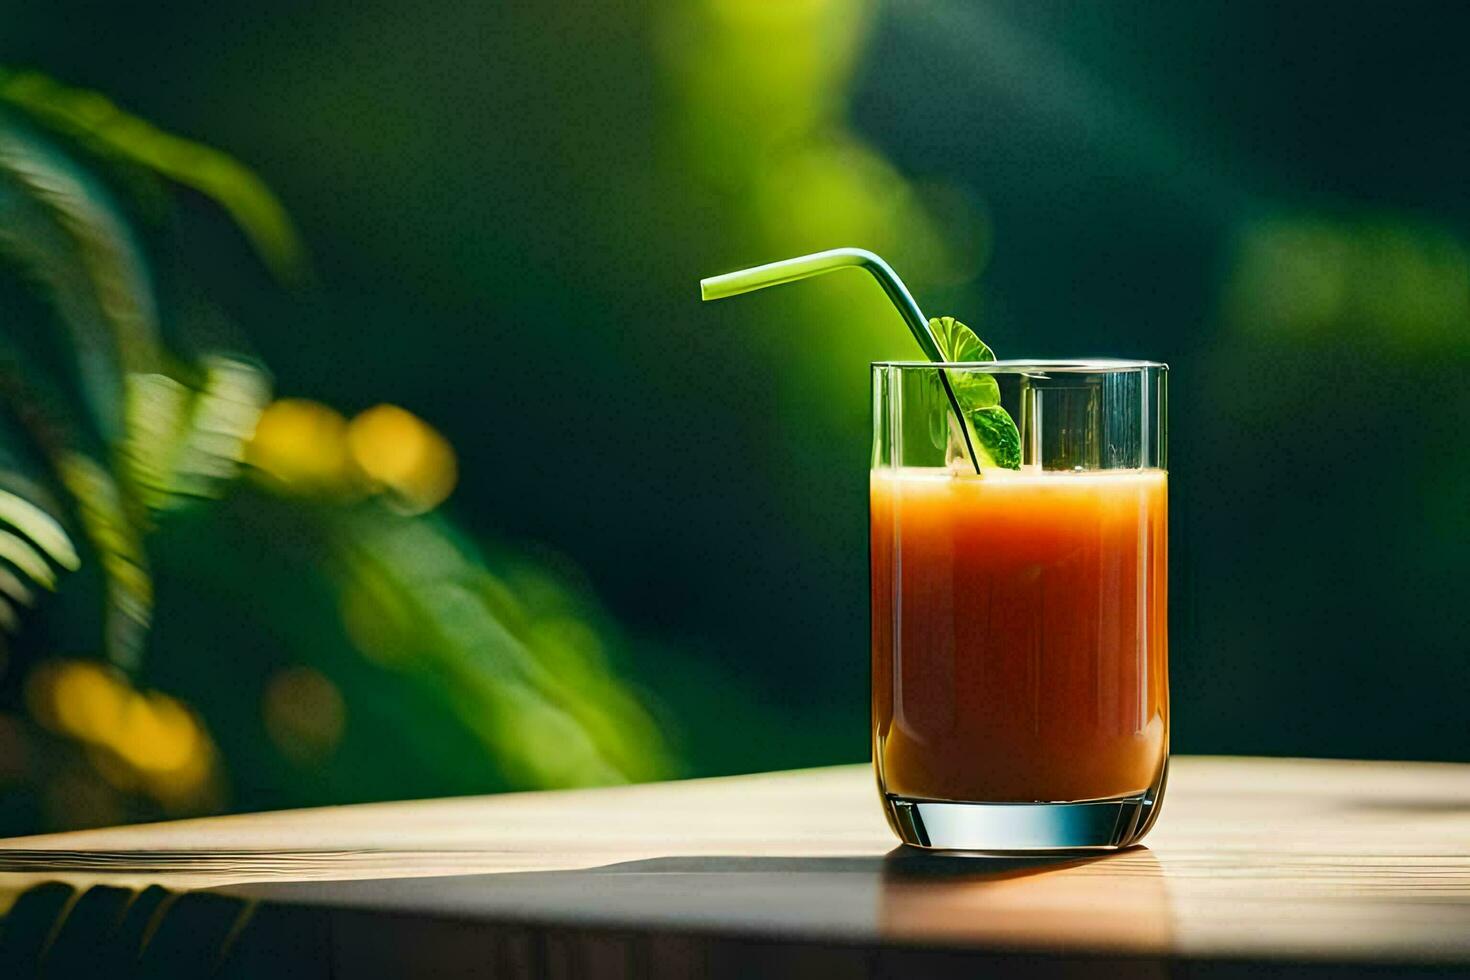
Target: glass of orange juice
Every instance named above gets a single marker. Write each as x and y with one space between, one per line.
1019 615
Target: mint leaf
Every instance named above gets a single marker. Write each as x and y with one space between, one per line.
997 439
958 342
993 433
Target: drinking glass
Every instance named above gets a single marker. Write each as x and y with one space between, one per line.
1020 617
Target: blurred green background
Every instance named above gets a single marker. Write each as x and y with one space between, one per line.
656 548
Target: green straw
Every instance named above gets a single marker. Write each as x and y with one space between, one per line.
806 266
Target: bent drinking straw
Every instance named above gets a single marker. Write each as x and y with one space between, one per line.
817 263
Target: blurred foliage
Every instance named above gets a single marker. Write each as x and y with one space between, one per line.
760 97
92 120
144 744
112 429
1336 391
508 199
1396 285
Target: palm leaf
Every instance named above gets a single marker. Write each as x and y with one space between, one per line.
44 250
119 545
187 442
56 225
37 403
30 509
163 440
45 530
22 555
15 590
97 236
100 125
179 440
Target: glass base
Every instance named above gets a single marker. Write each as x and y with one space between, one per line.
1011 828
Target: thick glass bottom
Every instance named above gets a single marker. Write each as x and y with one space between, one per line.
1026 827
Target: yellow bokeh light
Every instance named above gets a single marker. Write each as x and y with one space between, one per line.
157 735
136 741
304 714
303 445
401 452
87 701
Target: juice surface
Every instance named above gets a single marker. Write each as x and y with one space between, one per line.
1020 633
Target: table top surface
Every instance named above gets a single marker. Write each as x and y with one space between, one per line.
1269 859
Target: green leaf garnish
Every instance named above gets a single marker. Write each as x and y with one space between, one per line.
958 342
997 440
993 433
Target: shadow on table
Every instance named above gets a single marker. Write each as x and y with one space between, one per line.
1117 903
907 914
712 915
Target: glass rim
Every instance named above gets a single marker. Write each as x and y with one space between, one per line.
1039 365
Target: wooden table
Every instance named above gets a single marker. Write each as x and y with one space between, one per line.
1257 867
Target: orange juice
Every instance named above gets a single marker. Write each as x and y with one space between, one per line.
1019 633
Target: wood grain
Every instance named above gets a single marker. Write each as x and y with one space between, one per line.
1254 861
